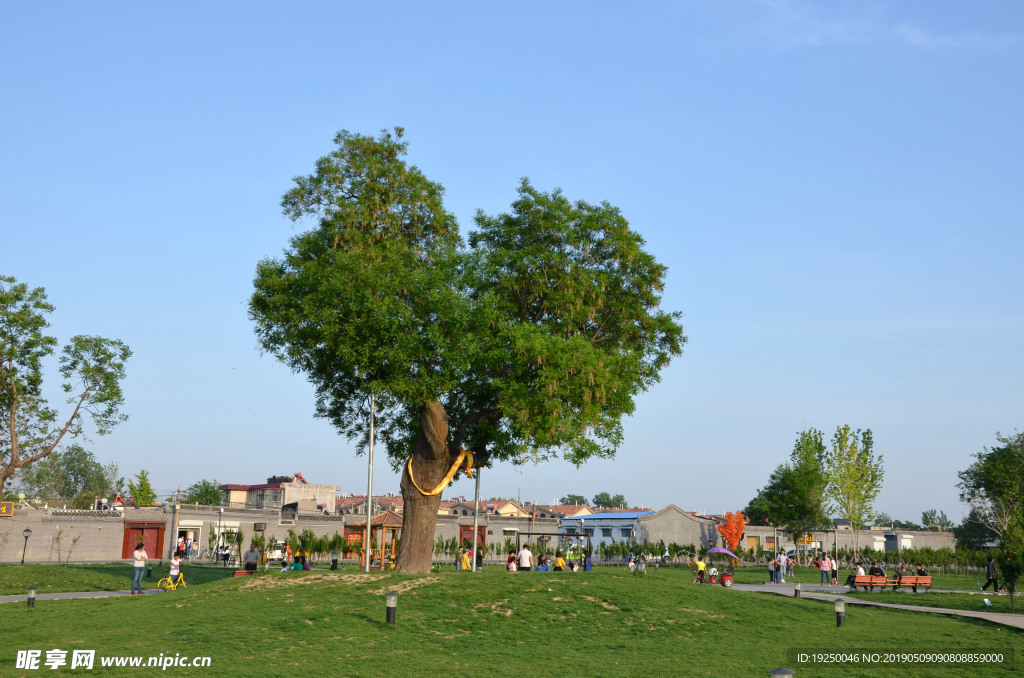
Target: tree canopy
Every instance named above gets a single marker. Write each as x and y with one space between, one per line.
607 500
794 498
141 490
92 368
526 342
853 478
206 492
574 500
993 486
71 475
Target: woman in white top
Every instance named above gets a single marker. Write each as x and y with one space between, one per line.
138 569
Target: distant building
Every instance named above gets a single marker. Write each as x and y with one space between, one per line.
279 491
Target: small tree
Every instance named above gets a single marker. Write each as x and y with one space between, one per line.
141 490
732 529
854 478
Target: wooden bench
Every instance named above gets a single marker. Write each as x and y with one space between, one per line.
867 580
242 573
912 581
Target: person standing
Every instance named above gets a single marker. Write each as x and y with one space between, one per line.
771 570
479 557
251 558
464 563
990 576
138 568
525 559
826 569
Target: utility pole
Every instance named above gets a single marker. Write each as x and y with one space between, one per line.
174 522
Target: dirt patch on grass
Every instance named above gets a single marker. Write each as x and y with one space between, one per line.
272 582
603 603
701 612
496 607
408 585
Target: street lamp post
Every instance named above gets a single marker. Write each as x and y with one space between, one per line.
27 533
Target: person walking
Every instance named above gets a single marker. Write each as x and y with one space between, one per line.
138 568
990 576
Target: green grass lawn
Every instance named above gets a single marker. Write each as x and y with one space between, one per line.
494 623
955 601
15 579
811 575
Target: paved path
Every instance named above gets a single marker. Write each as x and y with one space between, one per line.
832 593
23 598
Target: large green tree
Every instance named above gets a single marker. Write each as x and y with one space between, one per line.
993 486
71 475
92 368
607 500
794 498
574 500
853 477
206 492
529 343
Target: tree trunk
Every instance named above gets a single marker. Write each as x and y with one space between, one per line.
430 461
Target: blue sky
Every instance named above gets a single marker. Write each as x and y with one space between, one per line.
835 188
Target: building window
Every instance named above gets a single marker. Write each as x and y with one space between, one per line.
588 532
627 532
606 531
570 530
465 512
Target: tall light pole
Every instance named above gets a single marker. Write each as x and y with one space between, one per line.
27 533
476 516
369 492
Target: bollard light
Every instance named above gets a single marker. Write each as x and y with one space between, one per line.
149 570
840 613
796 590
392 606
31 596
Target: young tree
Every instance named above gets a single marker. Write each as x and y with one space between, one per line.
937 518
574 500
141 490
205 492
530 344
93 368
854 478
732 529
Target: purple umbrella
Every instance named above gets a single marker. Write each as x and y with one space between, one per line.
725 551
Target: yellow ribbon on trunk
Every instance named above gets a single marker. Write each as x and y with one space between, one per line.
463 455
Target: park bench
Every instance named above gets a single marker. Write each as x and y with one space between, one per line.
913 581
869 581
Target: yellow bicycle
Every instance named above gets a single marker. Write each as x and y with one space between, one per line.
168 584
